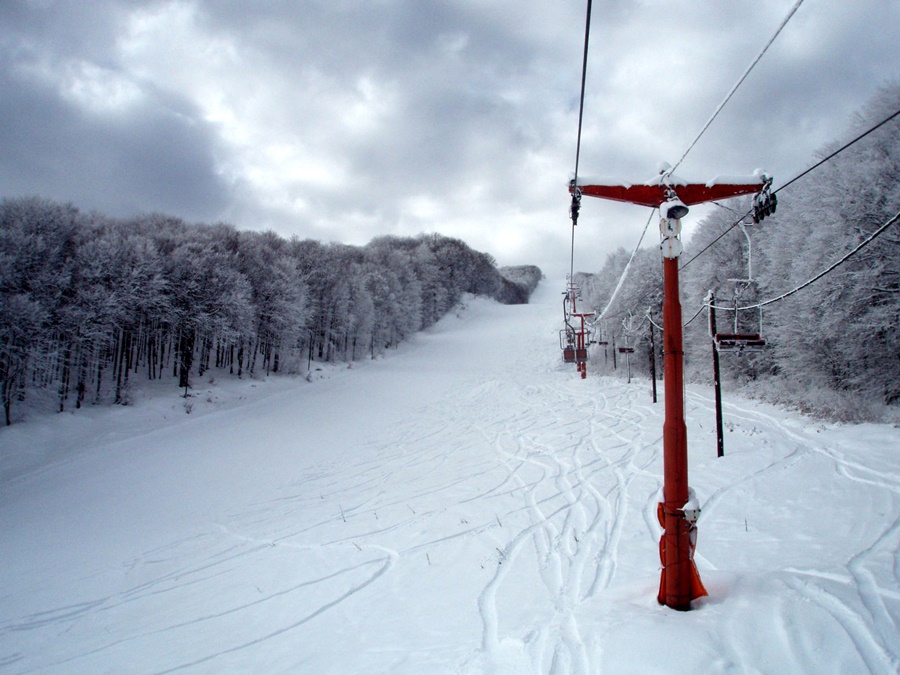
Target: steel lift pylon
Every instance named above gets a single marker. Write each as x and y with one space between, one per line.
678 511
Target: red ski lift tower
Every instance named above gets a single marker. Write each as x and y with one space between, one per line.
575 337
680 582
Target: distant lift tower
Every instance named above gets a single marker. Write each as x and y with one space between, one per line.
680 582
575 338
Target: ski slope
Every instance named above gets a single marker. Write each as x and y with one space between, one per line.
464 505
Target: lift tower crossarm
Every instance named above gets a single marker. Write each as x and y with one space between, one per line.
654 193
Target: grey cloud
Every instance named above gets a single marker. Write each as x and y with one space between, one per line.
153 159
479 108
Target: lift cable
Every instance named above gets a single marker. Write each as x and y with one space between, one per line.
576 195
868 240
839 150
738 84
735 224
685 324
648 316
625 271
699 311
865 242
759 305
792 181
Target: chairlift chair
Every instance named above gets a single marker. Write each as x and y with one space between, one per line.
737 340
575 338
567 345
568 340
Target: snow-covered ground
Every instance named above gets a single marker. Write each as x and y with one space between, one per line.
465 505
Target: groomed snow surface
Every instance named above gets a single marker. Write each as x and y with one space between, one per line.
465 505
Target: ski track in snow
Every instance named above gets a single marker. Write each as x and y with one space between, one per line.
574 479
869 623
506 525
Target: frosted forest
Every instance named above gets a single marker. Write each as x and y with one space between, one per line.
90 303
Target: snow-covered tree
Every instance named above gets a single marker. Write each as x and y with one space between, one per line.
87 302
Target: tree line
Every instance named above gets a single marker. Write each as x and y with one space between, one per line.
88 303
833 348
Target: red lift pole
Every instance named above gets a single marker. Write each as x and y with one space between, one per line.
581 348
680 582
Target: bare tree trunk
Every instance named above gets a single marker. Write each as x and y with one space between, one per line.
118 363
82 375
8 387
185 359
64 377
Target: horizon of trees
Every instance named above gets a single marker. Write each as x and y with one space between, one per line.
834 347
87 303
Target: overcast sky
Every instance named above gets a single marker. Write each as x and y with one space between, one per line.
341 120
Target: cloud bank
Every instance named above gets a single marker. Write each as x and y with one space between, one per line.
342 120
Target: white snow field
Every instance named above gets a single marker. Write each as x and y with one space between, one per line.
465 505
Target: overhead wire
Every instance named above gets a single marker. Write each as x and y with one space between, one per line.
793 180
619 285
738 83
839 150
699 311
690 147
868 240
654 324
706 126
576 197
759 305
718 109
735 224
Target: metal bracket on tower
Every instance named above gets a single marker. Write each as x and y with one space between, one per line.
575 207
